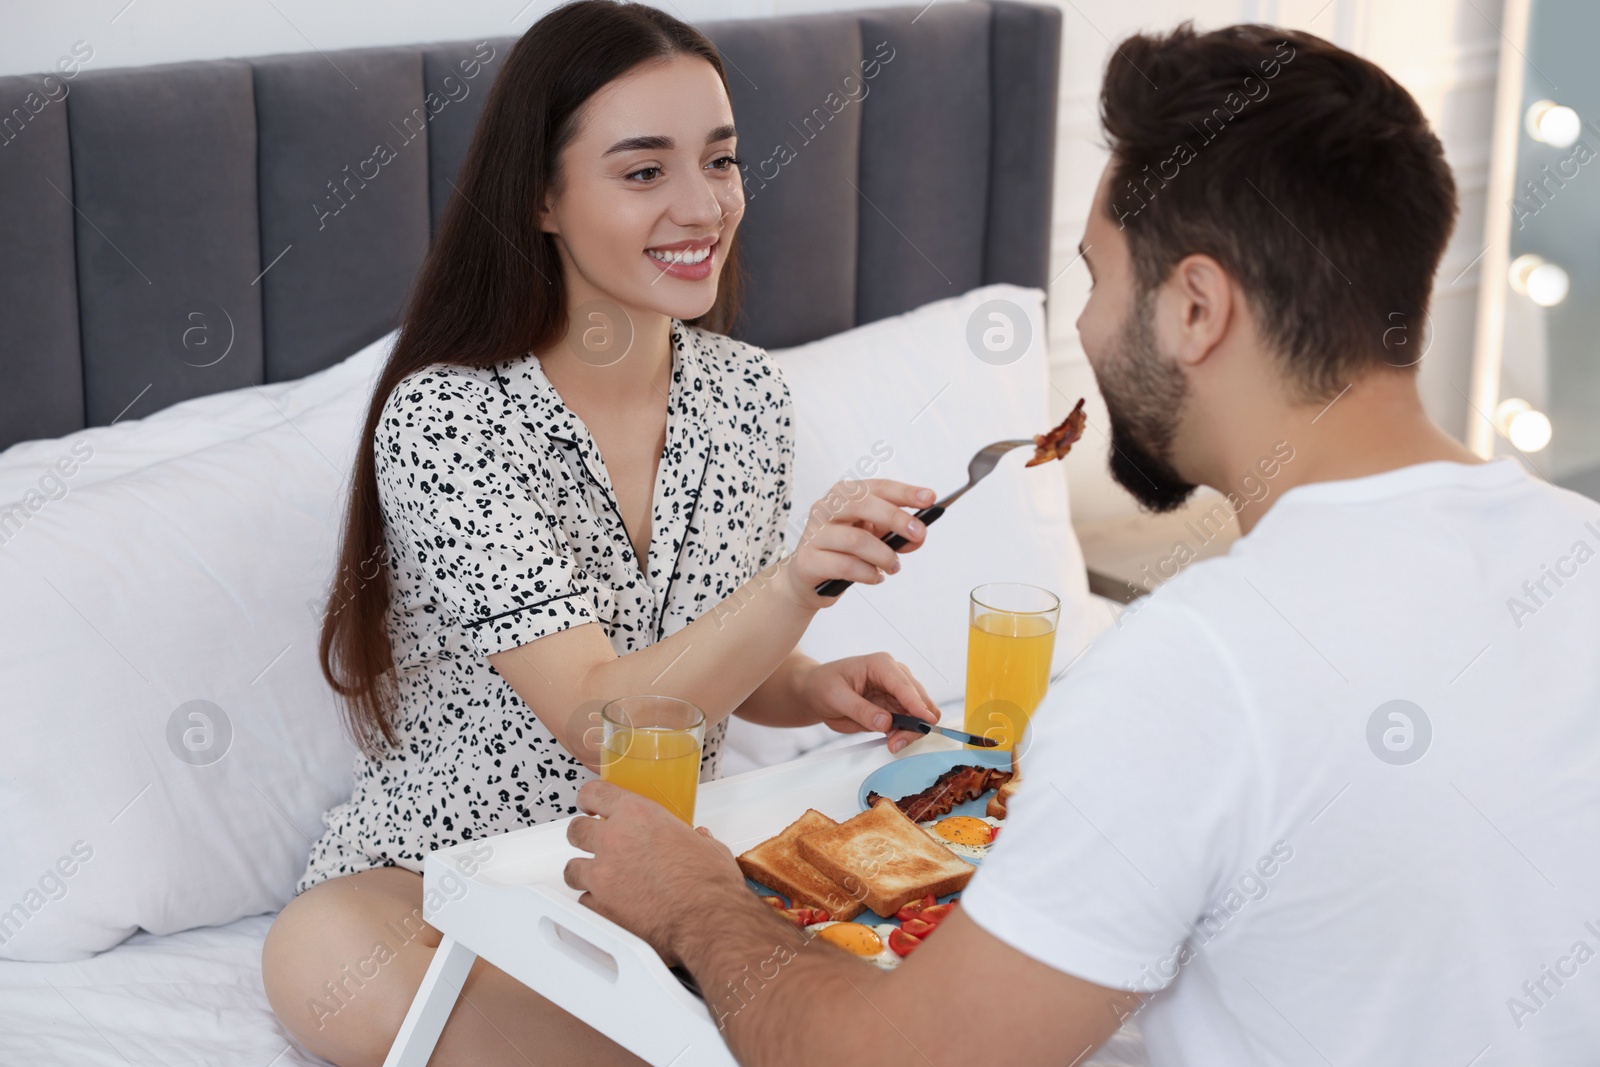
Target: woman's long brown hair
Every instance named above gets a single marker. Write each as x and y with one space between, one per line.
490 288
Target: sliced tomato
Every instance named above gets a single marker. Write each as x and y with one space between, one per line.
901 943
938 913
917 928
994 832
801 917
820 915
776 901
915 908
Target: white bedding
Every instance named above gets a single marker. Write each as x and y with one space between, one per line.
188 998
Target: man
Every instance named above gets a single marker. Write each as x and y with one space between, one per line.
1331 798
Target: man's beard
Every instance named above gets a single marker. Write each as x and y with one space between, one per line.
1144 395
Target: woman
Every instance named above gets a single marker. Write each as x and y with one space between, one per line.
574 490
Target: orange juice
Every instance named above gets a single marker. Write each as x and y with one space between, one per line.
1008 671
662 764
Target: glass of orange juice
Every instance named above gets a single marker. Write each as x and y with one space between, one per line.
1011 634
650 745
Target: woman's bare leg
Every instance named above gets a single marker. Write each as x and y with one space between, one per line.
343 960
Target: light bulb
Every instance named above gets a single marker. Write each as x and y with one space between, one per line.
1526 427
1543 282
1553 123
1548 285
1530 431
1521 267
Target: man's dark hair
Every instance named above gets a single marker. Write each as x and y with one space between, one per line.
1308 173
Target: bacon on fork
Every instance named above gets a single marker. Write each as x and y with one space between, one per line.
1059 441
955 786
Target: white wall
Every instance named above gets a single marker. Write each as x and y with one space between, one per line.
33 35
1444 51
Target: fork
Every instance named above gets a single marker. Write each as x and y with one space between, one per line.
982 464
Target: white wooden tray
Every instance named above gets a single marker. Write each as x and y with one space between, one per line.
504 898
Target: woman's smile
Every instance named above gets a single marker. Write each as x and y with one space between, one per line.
689 260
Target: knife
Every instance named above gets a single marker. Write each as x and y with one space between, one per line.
922 726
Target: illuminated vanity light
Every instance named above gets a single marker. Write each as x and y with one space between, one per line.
1553 123
1541 281
1548 285
1527 428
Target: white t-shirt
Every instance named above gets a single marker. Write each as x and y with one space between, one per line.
1225 788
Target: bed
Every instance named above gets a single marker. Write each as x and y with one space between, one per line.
184 304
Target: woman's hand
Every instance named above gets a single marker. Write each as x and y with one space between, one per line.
858 693
842 536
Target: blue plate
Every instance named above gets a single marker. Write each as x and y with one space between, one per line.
913 774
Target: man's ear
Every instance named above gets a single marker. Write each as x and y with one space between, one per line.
1200 306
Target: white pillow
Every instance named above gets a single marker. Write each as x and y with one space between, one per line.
52 467
181 571
909 398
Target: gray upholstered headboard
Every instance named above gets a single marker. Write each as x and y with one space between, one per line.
177 230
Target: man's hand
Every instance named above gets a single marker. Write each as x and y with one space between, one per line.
859 692
648 868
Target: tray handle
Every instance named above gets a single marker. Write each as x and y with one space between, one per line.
596 944
579 949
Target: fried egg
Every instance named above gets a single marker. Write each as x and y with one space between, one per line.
870 943
965 835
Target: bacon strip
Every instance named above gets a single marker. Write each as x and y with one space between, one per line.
955 786
1059 441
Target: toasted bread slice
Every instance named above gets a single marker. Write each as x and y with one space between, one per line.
884 858
776 864
997 803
